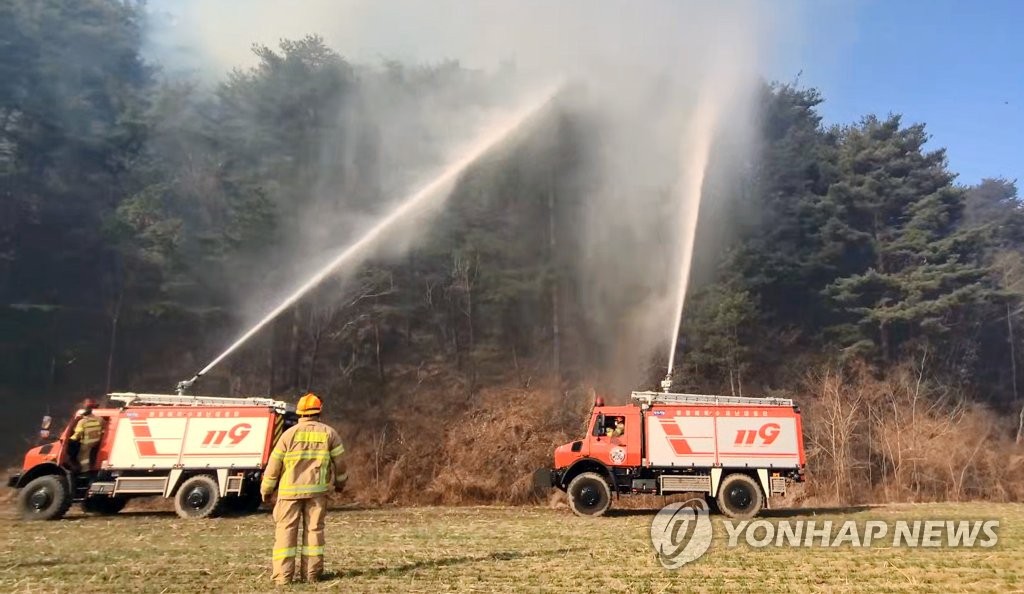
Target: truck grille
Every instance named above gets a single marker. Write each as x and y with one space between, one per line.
141 484
683 484
235 484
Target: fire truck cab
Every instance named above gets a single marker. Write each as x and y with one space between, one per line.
206 453
737 452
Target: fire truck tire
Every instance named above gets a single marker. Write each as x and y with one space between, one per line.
740 497
246 503
45 498
106 506
198 497
589 495
712 505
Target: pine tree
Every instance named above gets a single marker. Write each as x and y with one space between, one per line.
905 267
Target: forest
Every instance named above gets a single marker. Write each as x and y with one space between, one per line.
145 218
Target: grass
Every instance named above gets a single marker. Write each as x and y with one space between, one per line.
489 549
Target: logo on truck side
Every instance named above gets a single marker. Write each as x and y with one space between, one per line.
236 434
766 435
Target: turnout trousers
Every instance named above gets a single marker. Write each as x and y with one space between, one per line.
289 514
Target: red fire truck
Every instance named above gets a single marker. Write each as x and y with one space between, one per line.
207 453
736 451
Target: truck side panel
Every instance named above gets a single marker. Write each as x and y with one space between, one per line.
165 438
680 440
758 441
728 436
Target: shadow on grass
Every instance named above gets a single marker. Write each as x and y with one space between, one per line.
134 513
795 512
39 563
789 512
265 510
446 562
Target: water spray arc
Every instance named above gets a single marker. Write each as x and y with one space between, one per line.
436 190
693 168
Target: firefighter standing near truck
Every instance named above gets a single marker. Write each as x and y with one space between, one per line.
305 463
85 437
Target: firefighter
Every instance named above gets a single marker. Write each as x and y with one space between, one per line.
305 463
85 437
618 429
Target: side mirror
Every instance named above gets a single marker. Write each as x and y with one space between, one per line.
599 425
46 422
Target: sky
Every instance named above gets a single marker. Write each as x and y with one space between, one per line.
957 66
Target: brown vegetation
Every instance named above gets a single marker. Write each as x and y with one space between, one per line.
440 446
903 438
898 438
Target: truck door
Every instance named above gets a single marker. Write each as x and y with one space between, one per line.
109 420
622 447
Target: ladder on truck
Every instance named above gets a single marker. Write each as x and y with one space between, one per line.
650 398
133 399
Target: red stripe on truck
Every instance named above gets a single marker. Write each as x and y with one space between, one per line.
143 439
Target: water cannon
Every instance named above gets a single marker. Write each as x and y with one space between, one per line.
186 385
666 384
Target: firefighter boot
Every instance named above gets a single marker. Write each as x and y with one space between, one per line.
287 515
314 513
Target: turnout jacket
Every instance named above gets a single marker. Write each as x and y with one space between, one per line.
306 462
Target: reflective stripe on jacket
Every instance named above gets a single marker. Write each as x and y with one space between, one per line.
88 431
305 462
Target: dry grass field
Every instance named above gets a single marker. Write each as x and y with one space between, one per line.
489 549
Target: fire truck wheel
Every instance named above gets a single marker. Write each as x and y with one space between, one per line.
45 498
102 505
198 497
589 495
740 497
246 503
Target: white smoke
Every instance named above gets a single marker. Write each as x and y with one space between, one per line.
664 83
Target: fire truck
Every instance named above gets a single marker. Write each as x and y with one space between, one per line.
737 452
206 453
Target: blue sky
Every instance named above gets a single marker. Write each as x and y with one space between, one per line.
957 66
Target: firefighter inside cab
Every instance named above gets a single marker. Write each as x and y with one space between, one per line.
85 438
305 463
617 428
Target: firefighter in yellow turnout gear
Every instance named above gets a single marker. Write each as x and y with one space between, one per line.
304 465
85 437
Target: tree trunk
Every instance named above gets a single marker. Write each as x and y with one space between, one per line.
295 349
456 334
472 330
380 361
115 317
883 335
552 258
313 356
1013 372
1013 354
270 360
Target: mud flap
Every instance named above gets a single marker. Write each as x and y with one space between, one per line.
766 486
716 480
222 481
543 481
172 482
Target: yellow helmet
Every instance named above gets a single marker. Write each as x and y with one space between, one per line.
308 405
